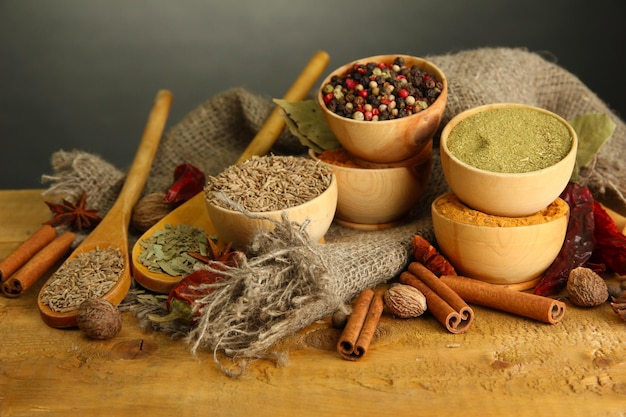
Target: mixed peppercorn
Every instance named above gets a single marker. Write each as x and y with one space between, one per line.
381 91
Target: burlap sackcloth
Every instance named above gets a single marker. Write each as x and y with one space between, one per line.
288 282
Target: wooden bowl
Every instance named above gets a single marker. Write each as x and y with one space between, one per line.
239 228
496 249
377 197
506 194
388 140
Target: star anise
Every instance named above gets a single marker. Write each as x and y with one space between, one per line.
75 215
227 255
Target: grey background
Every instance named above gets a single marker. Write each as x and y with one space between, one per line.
82 74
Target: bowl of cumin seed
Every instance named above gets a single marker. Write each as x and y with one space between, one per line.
255 195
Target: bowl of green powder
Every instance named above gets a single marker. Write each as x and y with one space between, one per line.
508 159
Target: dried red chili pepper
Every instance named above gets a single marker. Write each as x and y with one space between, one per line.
610 247
198 285
188 181
579 240
427 255
180 300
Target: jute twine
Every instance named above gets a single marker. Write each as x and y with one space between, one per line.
289 282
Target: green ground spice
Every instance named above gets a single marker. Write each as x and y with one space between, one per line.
510 140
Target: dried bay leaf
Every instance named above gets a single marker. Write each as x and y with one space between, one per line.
167 250
157 251
305 121
593 130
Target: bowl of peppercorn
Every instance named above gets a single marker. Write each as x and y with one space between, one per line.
384 108
508 159
376 196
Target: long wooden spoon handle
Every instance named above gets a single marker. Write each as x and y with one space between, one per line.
273 126
140 168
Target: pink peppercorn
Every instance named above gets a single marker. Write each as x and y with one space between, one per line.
351 83
381 91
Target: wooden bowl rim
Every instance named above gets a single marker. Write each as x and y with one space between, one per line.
445 132
382 58
394 167
435 212
332 187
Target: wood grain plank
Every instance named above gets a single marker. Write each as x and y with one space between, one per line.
413 367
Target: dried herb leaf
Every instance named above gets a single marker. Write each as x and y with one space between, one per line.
167 250
593 131
305 121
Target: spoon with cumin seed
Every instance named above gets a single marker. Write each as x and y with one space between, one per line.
194 211
112 231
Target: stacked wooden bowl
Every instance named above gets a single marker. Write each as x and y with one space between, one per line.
503 227
390 160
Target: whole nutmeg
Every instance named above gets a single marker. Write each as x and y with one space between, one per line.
149 210
98 318
404 301
586 288
339 319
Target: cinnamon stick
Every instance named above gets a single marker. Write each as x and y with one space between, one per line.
37 266
443 303
26 250
505 299
361 326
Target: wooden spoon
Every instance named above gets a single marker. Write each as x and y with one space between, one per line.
112 232
194 211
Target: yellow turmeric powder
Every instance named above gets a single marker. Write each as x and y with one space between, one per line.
338 156
451 207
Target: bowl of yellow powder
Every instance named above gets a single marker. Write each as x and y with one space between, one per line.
508 159
512 251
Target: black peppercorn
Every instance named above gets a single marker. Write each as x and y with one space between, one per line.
380 91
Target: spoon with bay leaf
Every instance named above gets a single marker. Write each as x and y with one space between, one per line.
111 234
194 212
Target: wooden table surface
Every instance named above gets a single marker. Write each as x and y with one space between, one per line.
504 365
